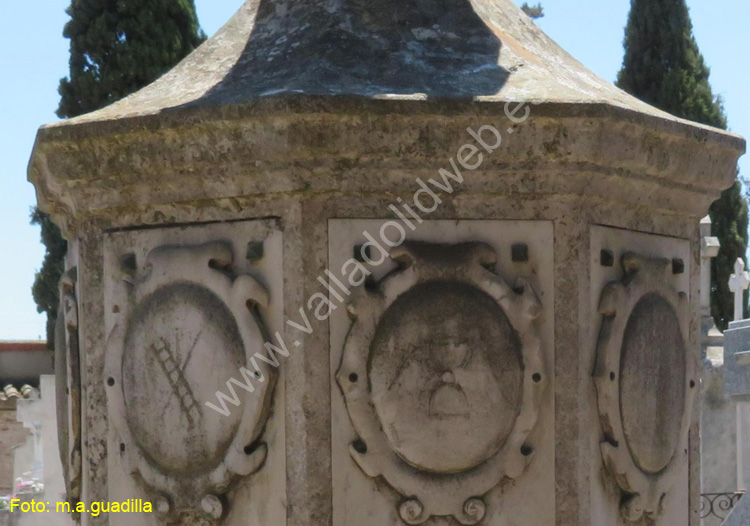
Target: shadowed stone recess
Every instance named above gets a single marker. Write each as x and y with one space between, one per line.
446 372
652 383
173 334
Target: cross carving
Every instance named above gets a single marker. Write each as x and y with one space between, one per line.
738 283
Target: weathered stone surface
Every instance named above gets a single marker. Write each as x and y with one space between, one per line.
68 386
12 435
435 48
645 374
321 82
454 363
445 373
737 368
719 451
182 328
652 383
187 316
328 117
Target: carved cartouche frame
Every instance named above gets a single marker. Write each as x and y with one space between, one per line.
426 494
246 299
643 493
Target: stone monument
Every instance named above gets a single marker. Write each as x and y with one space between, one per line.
712 338
383 263
718 411
737 386
737 371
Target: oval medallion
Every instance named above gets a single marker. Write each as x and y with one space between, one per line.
652 383
181 345
446 376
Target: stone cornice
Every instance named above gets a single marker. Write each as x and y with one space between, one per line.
312 145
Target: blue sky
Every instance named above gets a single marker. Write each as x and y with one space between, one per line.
34 56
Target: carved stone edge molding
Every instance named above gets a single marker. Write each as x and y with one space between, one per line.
428 494
68 386
199 265
643 492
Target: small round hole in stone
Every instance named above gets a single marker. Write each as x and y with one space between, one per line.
692 384
252 448
110 381
612 376
537 377
360 446
353 378
526 450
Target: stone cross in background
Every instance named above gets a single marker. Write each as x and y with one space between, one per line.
738 283
737 372
709 249
712 339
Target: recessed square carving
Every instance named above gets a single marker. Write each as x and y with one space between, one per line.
255 250
519 253
362 253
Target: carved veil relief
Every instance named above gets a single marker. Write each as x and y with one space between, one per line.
187 326
646 381
442 373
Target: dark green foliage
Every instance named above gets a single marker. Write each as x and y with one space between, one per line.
116 48
45 288
533 11
730 222
119 46
664 67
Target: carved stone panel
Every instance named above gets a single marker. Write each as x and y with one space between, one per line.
653 404
646 377
68 386
442 374
445 361
179 326
190 312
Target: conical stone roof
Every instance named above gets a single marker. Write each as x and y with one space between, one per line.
480 49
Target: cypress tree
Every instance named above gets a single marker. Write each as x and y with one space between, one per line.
45 289
533 11
116 48
663 66
119 46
